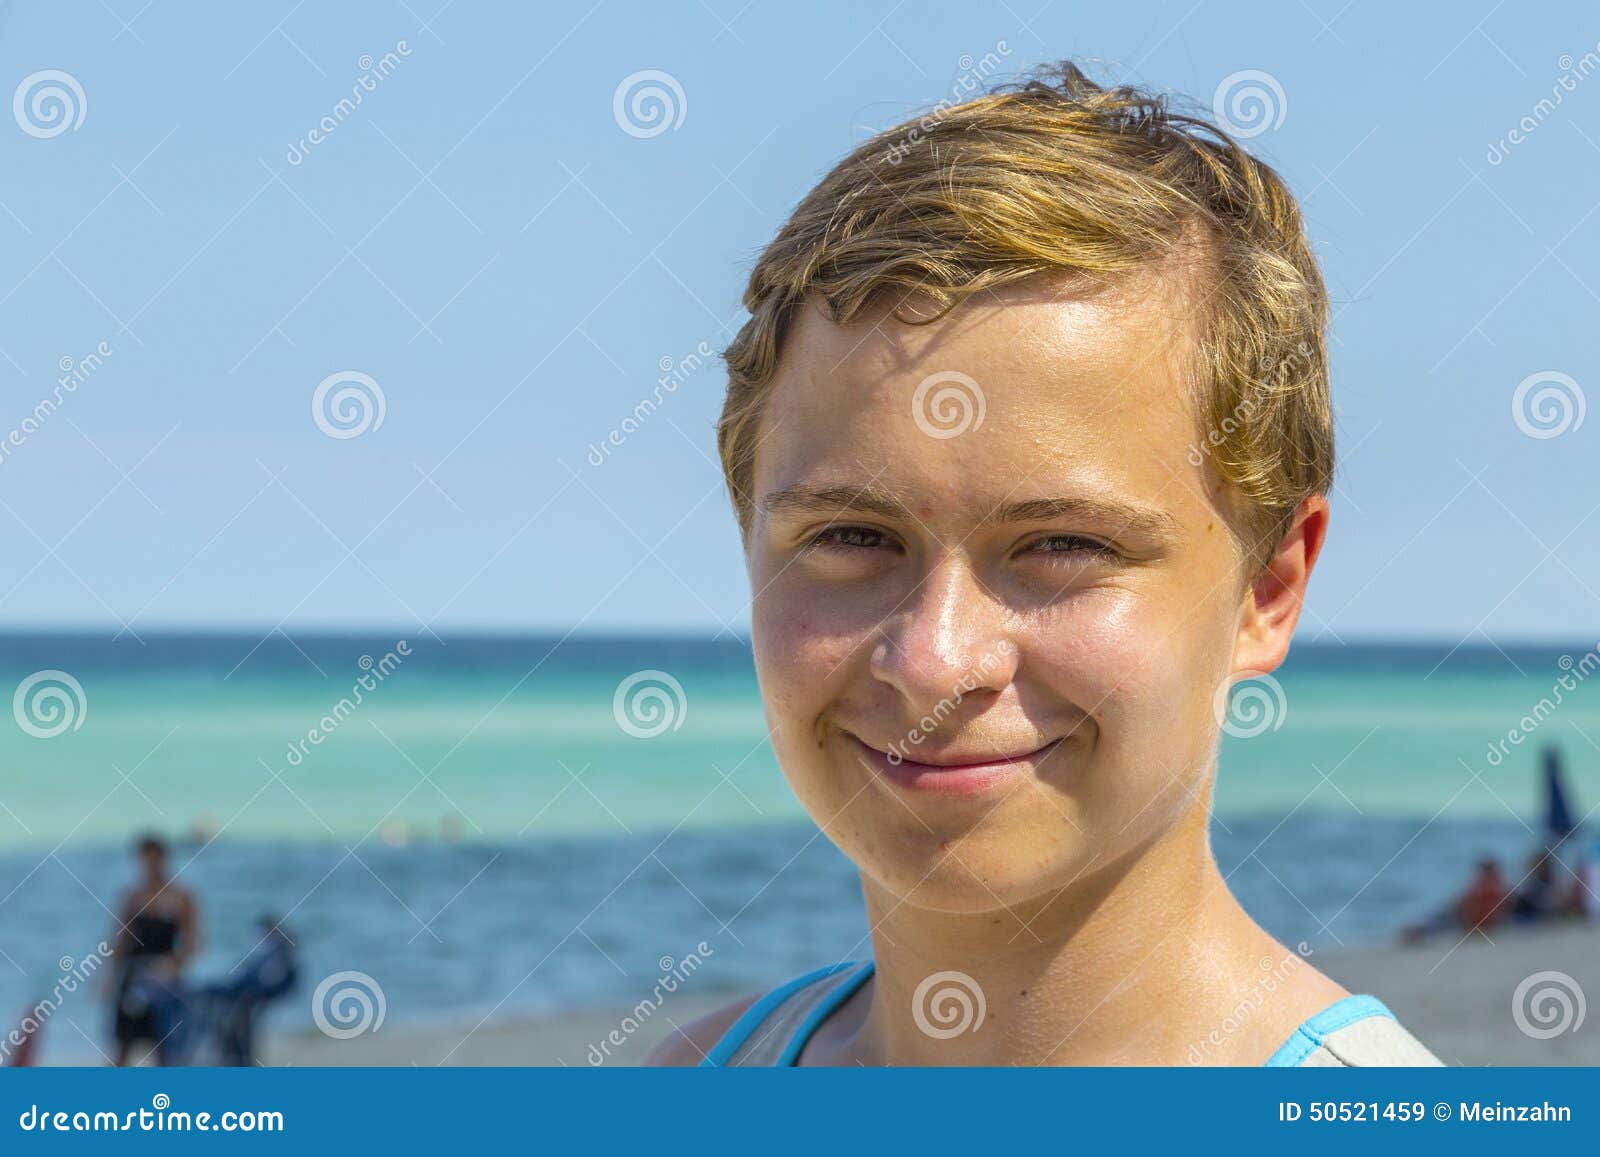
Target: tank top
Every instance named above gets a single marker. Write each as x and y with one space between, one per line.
1357 1031
151 934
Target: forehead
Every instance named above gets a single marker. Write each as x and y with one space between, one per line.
1028 388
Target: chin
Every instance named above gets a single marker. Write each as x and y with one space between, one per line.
991 869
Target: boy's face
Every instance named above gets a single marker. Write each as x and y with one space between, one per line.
989 658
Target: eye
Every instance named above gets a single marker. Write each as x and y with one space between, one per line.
847 538
1073 545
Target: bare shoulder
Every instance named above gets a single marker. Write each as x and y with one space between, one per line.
687 1046
1301 992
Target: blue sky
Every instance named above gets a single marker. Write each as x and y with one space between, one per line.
483 239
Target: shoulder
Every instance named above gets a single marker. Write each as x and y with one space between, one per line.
688 1045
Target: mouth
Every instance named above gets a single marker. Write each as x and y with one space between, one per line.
954 773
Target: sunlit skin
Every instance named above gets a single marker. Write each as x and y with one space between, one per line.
1059 589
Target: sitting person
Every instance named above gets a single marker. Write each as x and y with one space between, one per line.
1537 898
1478 908
235 1005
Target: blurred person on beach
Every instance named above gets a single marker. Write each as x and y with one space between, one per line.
1537 898
1029 440
233 1007
1479 907
1584 899
157 935
1483 902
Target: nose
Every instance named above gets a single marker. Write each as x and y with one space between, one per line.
949 637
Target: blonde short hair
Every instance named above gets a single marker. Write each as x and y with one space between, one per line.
1060 176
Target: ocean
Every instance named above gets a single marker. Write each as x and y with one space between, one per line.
485 828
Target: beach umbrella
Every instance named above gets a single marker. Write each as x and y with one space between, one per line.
1558 820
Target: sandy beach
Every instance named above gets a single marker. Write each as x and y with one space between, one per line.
1455 997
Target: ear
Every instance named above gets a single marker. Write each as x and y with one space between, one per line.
1273 600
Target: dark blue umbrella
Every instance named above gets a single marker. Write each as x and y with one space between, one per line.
1558 819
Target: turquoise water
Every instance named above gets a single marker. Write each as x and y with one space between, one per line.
518 738
483 837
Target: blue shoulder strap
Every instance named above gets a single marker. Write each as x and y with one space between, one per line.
752 1017
1306 1039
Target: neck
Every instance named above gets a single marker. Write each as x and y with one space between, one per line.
1135 964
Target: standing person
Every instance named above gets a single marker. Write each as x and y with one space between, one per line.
158 934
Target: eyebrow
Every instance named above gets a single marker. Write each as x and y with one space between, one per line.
840 500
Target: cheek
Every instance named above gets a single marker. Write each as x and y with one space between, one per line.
802 653
1095 652
1143 669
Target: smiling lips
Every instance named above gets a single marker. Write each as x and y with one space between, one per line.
953 777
